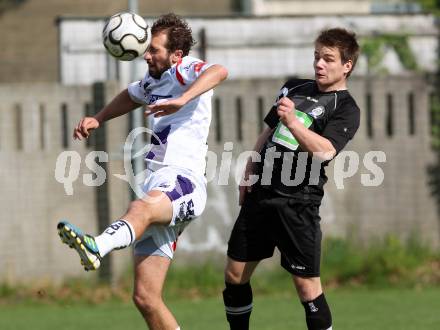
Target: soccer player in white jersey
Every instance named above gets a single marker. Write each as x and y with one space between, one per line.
177 91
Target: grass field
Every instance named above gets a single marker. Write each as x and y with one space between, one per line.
352 309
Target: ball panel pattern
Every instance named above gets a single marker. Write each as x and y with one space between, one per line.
126 36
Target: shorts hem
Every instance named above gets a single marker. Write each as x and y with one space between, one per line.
246 259
299 274
146 254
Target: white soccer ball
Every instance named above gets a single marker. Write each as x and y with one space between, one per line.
126 36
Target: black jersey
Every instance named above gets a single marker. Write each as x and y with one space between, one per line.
333 115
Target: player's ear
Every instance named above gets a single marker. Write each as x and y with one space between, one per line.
348 66
177 55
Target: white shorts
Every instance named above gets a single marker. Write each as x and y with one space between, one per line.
187 192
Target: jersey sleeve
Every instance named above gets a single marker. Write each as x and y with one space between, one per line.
343 125
136 91
189 69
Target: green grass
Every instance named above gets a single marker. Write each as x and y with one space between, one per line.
352 309
386 285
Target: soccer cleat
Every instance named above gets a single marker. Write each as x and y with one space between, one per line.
83 244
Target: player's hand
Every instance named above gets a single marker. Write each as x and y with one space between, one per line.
85 125
243 189
165 107
286 111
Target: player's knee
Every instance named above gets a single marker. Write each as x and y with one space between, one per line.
306 292
140 209
146 303
308 288
234 276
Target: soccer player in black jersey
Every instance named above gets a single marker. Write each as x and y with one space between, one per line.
311 121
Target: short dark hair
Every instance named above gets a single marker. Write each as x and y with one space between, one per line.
342 39
178 32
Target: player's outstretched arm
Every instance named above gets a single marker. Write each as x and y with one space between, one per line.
210 78
120 105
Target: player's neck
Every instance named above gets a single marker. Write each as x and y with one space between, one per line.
339 86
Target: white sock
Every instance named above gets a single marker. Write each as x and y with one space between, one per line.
118 235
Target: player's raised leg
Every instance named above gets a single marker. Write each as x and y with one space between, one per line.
155 207
150 273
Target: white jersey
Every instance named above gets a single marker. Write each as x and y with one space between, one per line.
179 139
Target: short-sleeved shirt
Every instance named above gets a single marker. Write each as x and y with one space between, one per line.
333 115
179 139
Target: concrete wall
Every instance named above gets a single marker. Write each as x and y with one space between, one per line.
31 140
402 204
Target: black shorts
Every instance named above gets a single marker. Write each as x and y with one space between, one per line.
268 220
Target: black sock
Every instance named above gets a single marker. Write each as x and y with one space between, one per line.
238 305
318 315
